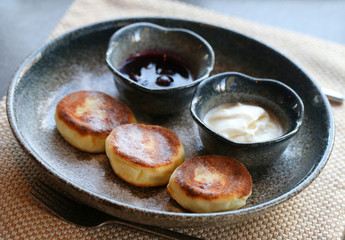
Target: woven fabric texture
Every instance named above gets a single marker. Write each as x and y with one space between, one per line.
318 212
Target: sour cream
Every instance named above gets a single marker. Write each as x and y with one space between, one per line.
243 122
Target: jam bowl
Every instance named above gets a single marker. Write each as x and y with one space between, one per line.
232 89
156 69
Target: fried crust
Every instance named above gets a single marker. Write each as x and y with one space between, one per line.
210 183
86 118
144 155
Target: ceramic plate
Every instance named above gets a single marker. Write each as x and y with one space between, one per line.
76 61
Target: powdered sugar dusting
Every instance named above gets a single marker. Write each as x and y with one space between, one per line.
143 145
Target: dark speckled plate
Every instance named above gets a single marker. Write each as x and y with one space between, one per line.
76 61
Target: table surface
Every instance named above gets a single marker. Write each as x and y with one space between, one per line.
26 24
310 215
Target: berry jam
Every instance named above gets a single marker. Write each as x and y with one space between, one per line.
156 70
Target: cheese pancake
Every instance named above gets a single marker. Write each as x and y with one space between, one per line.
86 118
210 184
144 155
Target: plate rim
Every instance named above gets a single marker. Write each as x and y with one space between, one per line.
100 25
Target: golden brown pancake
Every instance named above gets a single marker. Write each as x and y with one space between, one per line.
86 118
144 155
210 184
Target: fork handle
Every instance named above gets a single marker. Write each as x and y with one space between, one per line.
163 232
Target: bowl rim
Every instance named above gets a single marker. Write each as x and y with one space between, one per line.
204 126
130 82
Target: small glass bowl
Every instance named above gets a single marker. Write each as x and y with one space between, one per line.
272 95
135 38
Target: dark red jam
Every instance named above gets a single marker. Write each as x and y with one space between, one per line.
156 70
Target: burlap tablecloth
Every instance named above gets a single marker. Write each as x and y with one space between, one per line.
318 212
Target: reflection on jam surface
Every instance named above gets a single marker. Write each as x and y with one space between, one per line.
156 70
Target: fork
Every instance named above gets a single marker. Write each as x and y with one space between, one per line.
86 216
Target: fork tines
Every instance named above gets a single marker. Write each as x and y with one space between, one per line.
54 201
